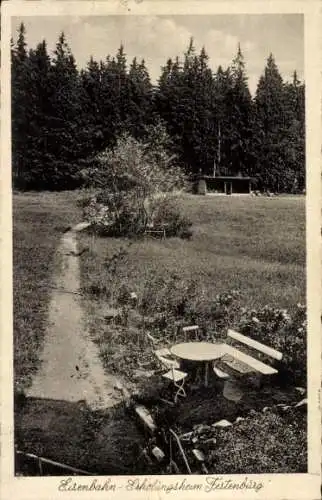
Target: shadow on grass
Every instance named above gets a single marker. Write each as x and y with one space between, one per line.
99 442
208 405
110 442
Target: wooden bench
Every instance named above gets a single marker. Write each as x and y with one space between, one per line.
155 231
241 363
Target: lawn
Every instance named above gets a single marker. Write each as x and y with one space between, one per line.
255 245
38 222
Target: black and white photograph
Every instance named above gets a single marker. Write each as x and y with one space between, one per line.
161 194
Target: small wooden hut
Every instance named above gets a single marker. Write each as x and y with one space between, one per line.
224 184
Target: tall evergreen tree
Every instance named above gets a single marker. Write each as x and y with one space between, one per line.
91 103
185 102
40 94
20 77
240 116
203 125
294 139
65 136
139 99
222 90
169 106
114 81
270 127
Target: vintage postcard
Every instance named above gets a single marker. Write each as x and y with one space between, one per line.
161 263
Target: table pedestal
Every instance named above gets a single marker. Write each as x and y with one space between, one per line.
198 370
206 373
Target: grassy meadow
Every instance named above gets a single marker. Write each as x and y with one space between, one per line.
38 222
254 245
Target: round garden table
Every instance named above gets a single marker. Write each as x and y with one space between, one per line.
205 352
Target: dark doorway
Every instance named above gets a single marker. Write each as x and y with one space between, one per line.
228 188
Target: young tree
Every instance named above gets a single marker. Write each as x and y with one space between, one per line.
132 177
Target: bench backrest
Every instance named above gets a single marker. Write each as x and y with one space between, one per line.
254 344
242 362
192 328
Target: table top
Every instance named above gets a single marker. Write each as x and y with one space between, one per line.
198 351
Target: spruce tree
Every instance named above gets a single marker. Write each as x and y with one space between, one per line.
114 91
222 91
91 104
202 96
20 110
65 139
240 117
139 99
269 128
185 101
40 94
294 139
169 106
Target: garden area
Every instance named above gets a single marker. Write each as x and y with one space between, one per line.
121 256
218 263
177 282
254 244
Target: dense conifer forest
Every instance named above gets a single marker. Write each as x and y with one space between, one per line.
62 116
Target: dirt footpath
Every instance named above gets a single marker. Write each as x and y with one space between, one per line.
70 369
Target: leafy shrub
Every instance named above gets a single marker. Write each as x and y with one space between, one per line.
132 178
174 302
168 215
262 443
286 333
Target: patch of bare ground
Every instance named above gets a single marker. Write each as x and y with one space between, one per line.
70 368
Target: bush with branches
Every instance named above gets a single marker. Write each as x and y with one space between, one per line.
136 182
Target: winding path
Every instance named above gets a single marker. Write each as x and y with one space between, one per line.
71 369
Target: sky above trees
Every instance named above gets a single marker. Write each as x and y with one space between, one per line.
156 38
